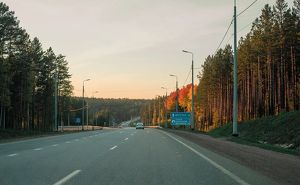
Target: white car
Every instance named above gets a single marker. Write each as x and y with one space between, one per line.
139 126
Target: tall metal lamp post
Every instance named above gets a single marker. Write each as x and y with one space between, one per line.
166 112
82 121
192 116
176 91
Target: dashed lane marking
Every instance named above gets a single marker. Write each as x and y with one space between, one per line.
12 155
112 148
37 149
68 177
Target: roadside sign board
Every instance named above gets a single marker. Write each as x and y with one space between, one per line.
180 118
77 121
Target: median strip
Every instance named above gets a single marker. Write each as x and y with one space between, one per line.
66 178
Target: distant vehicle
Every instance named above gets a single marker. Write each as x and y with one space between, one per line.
139 126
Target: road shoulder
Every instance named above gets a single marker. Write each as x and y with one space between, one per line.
283 168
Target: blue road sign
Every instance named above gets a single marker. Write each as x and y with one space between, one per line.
180 118
77 121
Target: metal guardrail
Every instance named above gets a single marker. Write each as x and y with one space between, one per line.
79 128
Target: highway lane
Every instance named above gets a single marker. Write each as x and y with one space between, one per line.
121 156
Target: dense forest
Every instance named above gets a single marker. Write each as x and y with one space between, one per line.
104 112
28 74
268 74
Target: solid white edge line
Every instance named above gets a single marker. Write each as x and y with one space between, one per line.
216 165
113 147
12 155
68 177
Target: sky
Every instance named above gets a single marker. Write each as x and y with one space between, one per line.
128 48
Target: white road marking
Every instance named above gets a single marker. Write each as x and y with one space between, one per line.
76 139
113 147
12 155
216 165
131 134
68 142
121 132
37 149
55 145
126 138
66 178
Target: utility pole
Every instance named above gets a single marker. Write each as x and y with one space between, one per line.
82 121
55 101
235 85
87 114
192 114
166 111
177 95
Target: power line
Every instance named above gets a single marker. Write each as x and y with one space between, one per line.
231 24
239 31
224 36
187 77
247 8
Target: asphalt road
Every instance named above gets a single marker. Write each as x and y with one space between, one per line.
119 156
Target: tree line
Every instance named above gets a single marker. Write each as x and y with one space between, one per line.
268 73
104 112
28 74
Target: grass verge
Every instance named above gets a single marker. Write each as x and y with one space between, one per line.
279 133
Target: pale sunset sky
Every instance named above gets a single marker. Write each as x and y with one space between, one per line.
128 48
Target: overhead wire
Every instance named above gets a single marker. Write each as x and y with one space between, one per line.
224 36
243 11
187 77
246 8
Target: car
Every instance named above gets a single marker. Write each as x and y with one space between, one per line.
139 126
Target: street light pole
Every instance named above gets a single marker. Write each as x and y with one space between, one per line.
55 100
192 116
166 113
87 114
176 91
235 85
82 121
95 92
